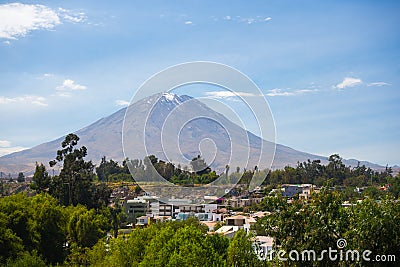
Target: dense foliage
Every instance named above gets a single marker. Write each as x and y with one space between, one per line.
313 172
309 172
367 225
39 227
37 230
174 244
112 171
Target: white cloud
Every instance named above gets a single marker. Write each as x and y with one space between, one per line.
378 84
248 20
303 91
122 103
251 20
26 99
63 94
272 92
188 22
4 143
69 84
227 17
72 16
280 92
349 82
6 148
18 20
226 94
45 76
9 150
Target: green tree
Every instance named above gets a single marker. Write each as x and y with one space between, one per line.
374 193
49 225
125 251
319 224
117 217
120 177
107 168
226 171
100 195
11 244
2 191
219 244
41 179
32 224
199 165
394 183
162 244
187 246
17 211
26 259
191 248
375 226
21 177
75 185
86 227
240 251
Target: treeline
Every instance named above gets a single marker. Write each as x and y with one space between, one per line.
110 170
308 172
76 182
151 168
318 225
313 172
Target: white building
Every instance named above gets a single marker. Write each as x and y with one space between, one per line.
262 246
234 224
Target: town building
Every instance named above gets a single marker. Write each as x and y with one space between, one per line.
234 224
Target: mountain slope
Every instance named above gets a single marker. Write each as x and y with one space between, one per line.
170 113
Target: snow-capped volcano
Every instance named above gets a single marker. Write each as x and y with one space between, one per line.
104 137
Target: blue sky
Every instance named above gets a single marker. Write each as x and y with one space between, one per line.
329 69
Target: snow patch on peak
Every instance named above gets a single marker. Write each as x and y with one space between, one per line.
169 96
172 98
